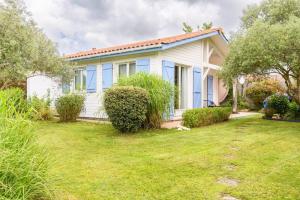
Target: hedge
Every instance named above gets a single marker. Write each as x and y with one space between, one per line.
126 107
205 116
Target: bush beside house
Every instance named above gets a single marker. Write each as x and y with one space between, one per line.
205 116
126 107
40 108
69 107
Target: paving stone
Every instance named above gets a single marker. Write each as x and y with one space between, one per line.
228 182
228 197
230 167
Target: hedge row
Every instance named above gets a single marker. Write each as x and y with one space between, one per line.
205 116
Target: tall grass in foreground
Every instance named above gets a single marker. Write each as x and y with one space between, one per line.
160 93
23 164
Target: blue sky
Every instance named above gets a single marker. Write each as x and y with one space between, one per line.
77 25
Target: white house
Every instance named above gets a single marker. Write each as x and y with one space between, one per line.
190 61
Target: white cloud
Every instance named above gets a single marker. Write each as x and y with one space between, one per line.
77 25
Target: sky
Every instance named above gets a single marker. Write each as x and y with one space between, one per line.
77 25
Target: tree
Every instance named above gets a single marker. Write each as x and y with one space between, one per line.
187 28
207 26
268 42
24 48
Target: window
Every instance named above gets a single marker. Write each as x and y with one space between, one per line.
122 70
127 69
131 68
80 79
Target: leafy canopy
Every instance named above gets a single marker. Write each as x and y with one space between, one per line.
24 48
268 42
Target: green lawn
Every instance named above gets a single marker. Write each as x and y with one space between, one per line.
91 161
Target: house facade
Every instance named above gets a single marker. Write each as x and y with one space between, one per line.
190 61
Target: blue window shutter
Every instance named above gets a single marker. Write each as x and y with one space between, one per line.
210 91
143 65
91 78
107 76
65 88
168 74
197 88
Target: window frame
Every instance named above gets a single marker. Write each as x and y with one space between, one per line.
127 68
83 73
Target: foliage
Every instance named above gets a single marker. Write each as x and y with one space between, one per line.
24 48
207 25
41 108
160 92
126 107
13 99
205 116
279 103
23 164
268 42
293 111
189 29
269 112
258 91
69 107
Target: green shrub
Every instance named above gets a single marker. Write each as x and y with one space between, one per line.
205 116
14 100
160 93
41 108
69 107
126 107
269 112
293 111
279 103
258 91
23 163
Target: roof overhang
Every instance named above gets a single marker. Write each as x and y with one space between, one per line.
152 48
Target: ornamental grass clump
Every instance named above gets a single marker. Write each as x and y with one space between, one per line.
126 107
160 94
23 163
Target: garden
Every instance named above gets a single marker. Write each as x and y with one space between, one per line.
47 153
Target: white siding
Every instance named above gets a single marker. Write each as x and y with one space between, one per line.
189 55
43 86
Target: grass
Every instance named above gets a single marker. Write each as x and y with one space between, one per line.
92 161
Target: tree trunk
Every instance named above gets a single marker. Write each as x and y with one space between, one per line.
235 97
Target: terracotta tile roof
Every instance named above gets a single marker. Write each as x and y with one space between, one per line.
141 44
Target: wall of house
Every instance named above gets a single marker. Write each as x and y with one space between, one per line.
93 103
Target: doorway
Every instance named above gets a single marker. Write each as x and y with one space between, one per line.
181 83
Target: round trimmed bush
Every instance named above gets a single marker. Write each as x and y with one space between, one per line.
126 107
69 107
279 103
